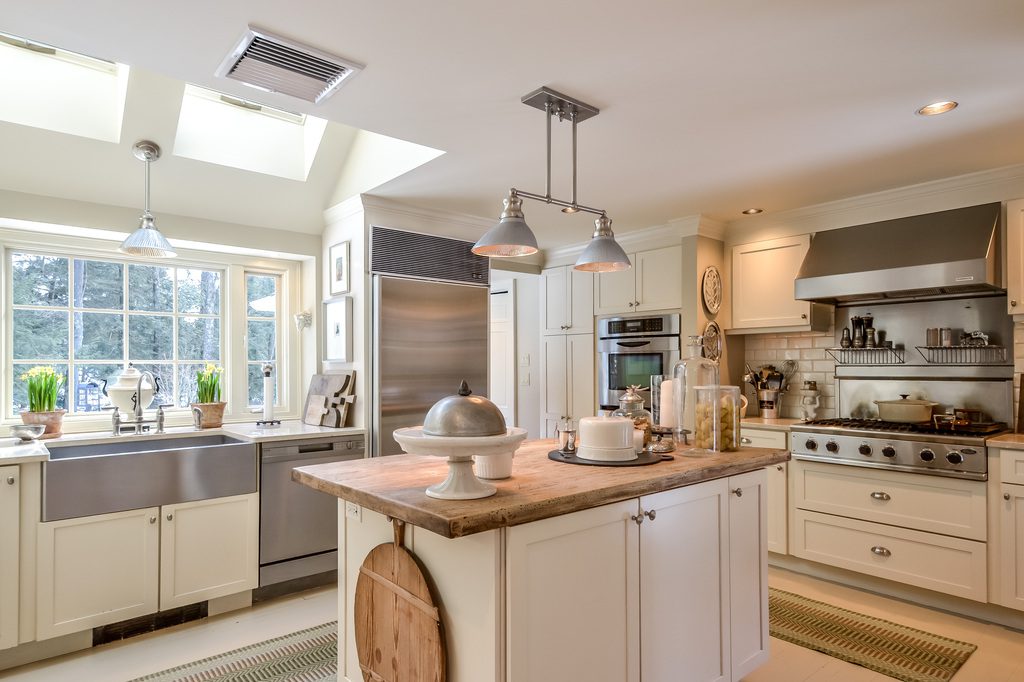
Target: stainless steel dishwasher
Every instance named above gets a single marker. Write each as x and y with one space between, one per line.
298 525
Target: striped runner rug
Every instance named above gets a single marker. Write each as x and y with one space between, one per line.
898 651
305 656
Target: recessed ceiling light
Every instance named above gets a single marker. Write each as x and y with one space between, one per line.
936 108
753 211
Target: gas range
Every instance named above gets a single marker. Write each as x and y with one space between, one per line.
915 448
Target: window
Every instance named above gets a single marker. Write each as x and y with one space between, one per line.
262 297
89 317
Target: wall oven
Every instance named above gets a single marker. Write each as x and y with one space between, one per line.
632 349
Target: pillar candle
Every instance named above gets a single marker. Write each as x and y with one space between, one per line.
668 411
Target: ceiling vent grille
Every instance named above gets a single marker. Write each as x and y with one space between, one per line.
426 256
269 62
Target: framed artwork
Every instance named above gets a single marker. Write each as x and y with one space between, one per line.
339 255
338 329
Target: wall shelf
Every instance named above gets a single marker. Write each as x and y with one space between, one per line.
963 355
867 356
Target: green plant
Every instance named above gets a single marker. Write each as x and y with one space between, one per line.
43 385
208 383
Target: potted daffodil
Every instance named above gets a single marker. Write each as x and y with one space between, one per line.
43 385
208 384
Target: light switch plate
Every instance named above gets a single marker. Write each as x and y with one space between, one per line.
353 511
524 378
524 360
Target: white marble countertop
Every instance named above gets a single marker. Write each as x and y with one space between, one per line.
16 451
1007 441
770 424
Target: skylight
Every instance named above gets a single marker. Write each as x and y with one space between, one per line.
54 89
234 132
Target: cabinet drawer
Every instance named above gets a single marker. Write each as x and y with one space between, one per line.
935 562
762 438
928 503
1011 466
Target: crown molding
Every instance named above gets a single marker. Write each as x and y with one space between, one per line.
382 204
699 226
342 210
646 238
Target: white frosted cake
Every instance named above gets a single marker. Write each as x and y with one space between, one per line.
606 439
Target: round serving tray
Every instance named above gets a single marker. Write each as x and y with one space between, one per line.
642 459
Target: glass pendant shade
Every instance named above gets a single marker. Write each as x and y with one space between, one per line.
603 253
511 237
147 241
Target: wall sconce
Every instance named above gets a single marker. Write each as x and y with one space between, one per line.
303 320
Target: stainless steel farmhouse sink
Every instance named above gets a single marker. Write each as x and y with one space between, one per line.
82 480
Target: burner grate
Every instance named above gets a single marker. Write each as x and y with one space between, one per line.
927 428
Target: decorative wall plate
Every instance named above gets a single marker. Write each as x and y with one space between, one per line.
712 341
711 289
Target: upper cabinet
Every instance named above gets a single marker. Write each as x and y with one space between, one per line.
762 287
1015 257
655 282
568 299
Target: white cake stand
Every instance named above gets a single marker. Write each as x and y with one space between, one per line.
462 483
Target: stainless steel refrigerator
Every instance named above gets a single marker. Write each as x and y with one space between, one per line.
428 335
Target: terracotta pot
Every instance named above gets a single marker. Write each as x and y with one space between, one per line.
213 414
53 421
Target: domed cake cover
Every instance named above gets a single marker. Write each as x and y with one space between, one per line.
464 415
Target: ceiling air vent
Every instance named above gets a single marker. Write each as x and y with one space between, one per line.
269 62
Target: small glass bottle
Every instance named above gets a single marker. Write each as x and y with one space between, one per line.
693 370
631 405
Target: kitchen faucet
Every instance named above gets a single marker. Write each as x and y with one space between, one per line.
137 416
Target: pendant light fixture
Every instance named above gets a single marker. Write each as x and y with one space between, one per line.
512 236
147 240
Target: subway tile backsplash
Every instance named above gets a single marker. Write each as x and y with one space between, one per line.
807 349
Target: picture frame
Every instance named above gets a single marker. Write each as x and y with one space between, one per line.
340 255
338 330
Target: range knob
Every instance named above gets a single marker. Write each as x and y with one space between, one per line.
888 451
832 446
811 444
955 458
864 449
926 455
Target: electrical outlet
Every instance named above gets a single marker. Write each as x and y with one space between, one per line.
524 378
353 511
524 360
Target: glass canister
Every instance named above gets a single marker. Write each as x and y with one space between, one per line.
717 414
631 405
693 370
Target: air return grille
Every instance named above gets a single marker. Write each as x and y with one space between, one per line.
269 62
410 254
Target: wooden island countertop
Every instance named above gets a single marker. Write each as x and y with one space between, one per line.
538 489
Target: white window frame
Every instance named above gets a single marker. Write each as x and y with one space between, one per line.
277 319
234 357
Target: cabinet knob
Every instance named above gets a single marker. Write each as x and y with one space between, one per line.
1013 303
636 302
637 519
738 492
1006 496
630 304
10 480
779 467
884 497
152 519
880 551
651 514
803 316
170 517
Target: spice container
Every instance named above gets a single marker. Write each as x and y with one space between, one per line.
631 405
717 416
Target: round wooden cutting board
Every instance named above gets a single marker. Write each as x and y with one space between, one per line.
397 625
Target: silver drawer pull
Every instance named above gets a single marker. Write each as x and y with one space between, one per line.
1006 496
880 551
745 441
152 519
884 497
651 514
779 467
637 519
738 492
10 480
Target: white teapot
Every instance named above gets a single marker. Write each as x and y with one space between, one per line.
122 392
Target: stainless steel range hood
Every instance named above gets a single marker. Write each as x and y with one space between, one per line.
927 256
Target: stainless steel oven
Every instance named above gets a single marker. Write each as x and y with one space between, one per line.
632 349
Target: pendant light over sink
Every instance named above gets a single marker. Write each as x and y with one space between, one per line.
147 240
512 237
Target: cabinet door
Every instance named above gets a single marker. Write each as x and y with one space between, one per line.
10 542
659 279
684 578
1011 547
748 572
777 514
573 587
615 292
96 570
580 380
762 283
553 388
581 302
554 293
1015 256
208 549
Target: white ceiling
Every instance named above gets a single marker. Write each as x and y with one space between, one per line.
707 106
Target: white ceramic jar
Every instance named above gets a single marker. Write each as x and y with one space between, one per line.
122 392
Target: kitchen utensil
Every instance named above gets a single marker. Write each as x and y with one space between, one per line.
567 435
869 338
398 630
858 331
27 432
768 404
845 341
948 421
464 415
905 410
329 398
461 483
788 370
970 415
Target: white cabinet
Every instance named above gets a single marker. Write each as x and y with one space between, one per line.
103 569
10 542
567 379
208 549
778 485
1015 257
762 287
647 588
655 282
567 297
1011 547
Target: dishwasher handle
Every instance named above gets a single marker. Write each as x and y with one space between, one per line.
329 450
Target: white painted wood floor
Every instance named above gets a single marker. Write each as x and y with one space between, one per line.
999 658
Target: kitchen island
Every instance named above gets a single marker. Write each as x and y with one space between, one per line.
567 569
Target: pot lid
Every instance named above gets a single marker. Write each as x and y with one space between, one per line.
632 396
464 415
907 400
128 378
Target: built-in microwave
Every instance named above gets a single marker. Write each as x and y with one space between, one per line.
630 351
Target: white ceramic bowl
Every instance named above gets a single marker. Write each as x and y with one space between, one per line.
415 442
27 432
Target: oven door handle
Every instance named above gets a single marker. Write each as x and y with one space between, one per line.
632 344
